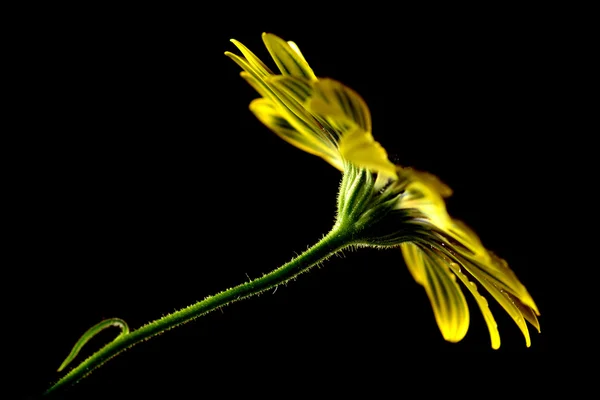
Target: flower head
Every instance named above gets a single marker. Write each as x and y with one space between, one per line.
380 203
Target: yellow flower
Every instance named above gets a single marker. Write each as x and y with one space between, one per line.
384 204
320 116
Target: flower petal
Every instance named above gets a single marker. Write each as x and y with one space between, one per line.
433 182
254 77
528 312
505 278
358 147
294 92
502 298
288 58
288 102
471 265
286 96
258 85
295 47
482 303
494 268
295 88
269 114
252 60
426 199
412 259
448 302
342 106
465 248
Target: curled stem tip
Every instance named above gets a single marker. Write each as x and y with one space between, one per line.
90 333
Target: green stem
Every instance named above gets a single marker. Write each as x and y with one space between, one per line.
331 243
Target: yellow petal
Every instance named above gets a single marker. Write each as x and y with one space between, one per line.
433 182
482 303
528 313
490 266
424 198
463 234
295 88
269 114
286 95
288 59
300 118
342 106
290 106
255 78
412 259
494 275
447 300
502 298
254 61
507 280
295 47
242 62
294 92
358 147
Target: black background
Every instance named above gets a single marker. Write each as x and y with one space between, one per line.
145 184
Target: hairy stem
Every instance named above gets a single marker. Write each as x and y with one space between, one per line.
331 243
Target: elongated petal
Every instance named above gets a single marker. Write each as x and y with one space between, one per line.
252 60
492 267
382 181
527 312
289 105
424 198
506 279
301 119
288 59
295 88
412 259
358 147
255 78
294 92
295 47
463 234
258 85
433 182
242 62
482 303
502 299
492 273
268 114
286 96
342 106
448 302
